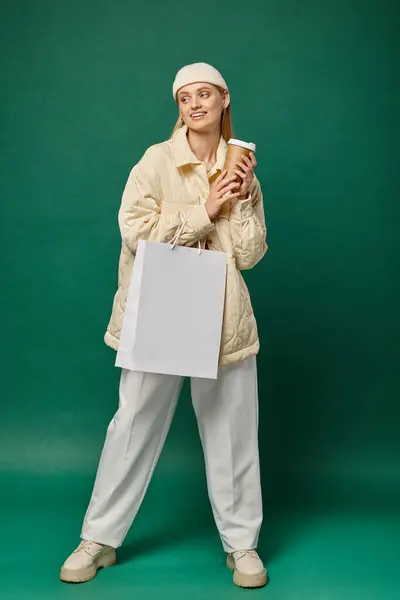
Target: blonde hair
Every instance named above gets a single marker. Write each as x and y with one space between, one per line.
226 122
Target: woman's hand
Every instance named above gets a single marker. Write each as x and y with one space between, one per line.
246 173
222 190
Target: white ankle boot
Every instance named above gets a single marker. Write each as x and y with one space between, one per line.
83 563
248 569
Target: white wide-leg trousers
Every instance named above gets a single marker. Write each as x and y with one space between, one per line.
227 417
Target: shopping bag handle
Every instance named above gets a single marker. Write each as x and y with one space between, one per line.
175 239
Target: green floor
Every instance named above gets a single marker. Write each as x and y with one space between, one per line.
173 551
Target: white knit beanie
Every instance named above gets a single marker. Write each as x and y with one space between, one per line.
197 72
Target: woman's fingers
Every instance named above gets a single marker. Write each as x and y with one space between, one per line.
246 166
225 181
241 174
221 176
249 162
229 187
220 180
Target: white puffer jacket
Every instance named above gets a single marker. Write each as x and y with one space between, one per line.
168 184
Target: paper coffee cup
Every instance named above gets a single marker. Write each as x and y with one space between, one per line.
234 152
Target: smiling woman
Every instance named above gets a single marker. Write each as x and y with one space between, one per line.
211 98
204 107
180 185
210 105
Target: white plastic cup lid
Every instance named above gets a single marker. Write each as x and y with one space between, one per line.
247 145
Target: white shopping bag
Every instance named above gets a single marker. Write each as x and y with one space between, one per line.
173 315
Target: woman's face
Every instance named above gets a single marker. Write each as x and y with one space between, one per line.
201 105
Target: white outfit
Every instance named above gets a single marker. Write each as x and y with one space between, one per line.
227 416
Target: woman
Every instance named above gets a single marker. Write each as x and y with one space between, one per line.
181 181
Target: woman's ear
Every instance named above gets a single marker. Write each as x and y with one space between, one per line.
226 100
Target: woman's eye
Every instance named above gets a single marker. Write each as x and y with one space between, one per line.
204 94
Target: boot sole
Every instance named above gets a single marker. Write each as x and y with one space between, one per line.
82 575
246 581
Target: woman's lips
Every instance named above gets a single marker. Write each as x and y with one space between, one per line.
198 116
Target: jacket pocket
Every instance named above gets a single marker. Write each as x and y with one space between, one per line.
168 208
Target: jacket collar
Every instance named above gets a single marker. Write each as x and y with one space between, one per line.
184 155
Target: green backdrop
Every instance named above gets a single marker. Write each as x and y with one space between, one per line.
86 88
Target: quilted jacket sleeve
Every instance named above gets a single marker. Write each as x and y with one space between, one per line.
140 215
248 228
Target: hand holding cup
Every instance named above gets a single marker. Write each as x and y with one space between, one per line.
240 161
245 170
224 189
